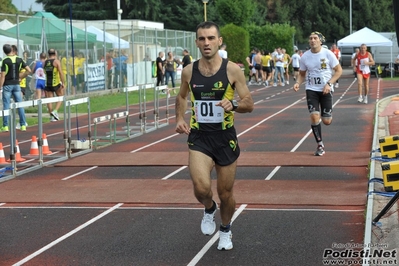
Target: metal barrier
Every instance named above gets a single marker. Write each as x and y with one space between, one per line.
138 129
74 147
118 136
80 145
159 121
148 125
101 141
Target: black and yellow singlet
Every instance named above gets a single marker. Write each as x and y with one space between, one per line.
52 76
206 92
11 66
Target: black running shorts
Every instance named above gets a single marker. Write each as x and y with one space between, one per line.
53 89
317 101
221 146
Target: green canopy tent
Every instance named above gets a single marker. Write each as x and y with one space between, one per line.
27 40
53 32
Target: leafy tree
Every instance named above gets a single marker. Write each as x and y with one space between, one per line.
7 7
331 17
237 12
237 41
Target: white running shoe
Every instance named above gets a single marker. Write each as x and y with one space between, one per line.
360 99
225 242
320 151
208 225
55 115
283 84
365 100
274 84
288 82
336 85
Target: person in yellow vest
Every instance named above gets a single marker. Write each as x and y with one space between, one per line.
287 62
80 74
266 69
67 70
54 82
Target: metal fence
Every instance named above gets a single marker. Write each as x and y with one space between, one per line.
89 50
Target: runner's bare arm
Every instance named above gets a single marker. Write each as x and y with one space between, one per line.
181 101
301 78
237 79
337 74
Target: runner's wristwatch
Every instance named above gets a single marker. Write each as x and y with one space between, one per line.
329 84
234 103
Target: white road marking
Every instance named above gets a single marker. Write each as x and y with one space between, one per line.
77 229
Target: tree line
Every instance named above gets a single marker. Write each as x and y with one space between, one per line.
331 17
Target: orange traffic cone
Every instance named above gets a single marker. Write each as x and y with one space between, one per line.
34 148
45 148
18 157
2 156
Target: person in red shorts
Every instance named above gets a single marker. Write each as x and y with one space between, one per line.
361 65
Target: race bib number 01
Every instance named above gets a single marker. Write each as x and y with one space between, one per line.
208 112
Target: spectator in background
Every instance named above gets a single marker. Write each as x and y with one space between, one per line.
295 59
9 81
54 82
160 68
80 75
279 65
40 76
118 62
186 58
222 51
252 70
337 54
397 60
171 64
287 62
354 61
29 61
266 70
66 65
22 81
108 58
125 59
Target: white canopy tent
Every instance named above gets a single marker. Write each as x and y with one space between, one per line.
5 24
365 36
108 38
11 41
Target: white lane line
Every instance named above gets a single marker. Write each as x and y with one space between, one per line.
55 242
1 204
81 172
273 172
175 172
153 143
202 252
269 117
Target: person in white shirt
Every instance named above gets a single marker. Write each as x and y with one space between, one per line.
316 68
295 59
222 51
279 59
353 57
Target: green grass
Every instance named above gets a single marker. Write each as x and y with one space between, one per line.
388 78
